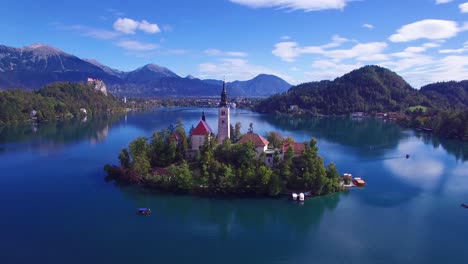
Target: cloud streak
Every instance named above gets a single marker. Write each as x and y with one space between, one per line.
136 45
443 1
217 52
306 5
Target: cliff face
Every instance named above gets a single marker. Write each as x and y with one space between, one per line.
98 85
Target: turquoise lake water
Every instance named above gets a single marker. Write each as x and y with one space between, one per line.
56 207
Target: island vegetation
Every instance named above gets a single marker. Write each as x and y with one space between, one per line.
376 91
229 168
56 101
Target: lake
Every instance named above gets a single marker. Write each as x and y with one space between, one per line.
56 206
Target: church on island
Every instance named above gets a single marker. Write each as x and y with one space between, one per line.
204 132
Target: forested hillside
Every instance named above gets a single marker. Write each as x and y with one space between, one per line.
58 100
441 107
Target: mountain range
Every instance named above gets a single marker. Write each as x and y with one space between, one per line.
37 65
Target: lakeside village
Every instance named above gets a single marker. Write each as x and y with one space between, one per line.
230 163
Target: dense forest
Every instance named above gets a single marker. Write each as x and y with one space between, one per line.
55 101
440 107
226 169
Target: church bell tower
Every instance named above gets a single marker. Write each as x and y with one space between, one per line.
224 129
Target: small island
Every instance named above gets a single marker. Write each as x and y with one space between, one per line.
227 164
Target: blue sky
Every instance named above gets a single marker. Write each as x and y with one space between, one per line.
299 40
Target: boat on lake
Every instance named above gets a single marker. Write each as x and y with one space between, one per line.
359 182
294 196
144 211
464 205
301 196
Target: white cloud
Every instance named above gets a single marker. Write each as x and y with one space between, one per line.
337 40
443 1
419 69
369 26
236 69
126 25
456 51
329 70
217 52
129 26
289 51
285 37
148 28
426 29
364 52
431 45
136 45
463 7
306 5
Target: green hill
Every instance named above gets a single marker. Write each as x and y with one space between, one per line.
447 94
368 89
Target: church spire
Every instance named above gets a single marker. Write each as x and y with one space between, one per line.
223 102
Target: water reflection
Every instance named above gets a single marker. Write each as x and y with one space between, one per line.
227 216
370 136
55 135
455 147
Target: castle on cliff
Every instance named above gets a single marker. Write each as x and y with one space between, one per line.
98 85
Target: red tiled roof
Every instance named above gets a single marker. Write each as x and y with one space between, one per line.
298 148
258 140
175 137
202 129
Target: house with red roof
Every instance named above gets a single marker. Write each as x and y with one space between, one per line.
297 148
199 133
260 143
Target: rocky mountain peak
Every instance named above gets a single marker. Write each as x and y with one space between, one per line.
42 49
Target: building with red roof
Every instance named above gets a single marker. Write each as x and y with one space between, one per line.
298 148
260 143
199 133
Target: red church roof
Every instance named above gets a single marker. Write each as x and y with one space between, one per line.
202 129
258 140
298 148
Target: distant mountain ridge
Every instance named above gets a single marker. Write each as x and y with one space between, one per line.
37 65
